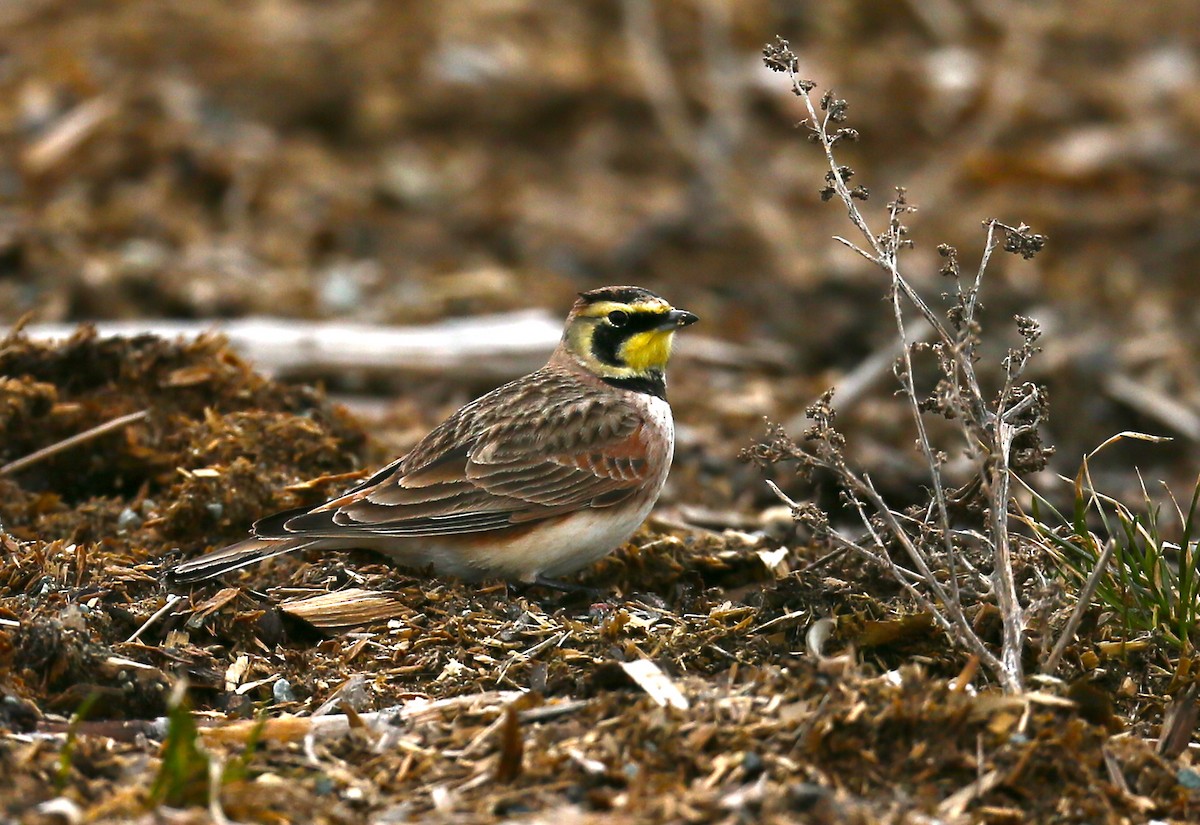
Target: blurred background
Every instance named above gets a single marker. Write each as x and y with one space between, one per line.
406 162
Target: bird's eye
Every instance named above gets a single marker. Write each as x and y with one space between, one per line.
618 317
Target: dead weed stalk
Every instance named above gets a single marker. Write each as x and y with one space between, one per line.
1000 432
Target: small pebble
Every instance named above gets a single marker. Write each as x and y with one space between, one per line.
142 257
1189 779
128 519
282 691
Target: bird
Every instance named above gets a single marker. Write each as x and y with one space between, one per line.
535 480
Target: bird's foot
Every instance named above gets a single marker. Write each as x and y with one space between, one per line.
566 587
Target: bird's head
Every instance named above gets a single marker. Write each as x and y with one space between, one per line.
623 333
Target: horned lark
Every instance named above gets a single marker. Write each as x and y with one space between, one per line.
534 480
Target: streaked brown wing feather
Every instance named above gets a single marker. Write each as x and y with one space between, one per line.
533 449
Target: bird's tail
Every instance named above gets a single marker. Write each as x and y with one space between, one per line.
234 557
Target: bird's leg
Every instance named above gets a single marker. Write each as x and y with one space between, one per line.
566 587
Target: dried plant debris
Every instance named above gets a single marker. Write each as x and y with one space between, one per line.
351 607
688 685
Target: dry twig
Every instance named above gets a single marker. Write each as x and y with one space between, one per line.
74 441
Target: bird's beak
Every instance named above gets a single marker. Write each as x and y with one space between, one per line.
678 318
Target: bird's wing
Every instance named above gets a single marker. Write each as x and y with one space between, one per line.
511 458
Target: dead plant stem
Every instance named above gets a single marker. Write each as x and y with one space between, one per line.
73 441
1081 605
993 430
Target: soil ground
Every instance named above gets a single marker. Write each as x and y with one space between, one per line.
407 162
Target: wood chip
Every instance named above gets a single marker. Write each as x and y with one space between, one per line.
344 608
236 672
658 685
67 134
221 598
955 805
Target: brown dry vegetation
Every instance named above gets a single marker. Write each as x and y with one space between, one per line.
403 162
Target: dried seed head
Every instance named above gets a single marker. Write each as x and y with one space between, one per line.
779 57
